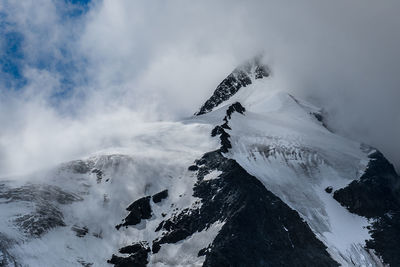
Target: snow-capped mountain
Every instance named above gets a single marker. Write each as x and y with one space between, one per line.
254 178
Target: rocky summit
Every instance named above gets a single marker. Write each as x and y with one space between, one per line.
254 178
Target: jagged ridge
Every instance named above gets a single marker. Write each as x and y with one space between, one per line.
240 77
376 195
259 229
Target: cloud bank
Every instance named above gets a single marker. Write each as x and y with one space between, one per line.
76 70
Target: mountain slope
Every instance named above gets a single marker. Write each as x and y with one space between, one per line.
253 179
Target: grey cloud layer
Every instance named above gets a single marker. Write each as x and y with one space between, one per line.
163 60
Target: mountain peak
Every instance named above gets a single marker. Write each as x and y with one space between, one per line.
241 76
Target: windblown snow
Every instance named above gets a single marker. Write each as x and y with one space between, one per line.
156 158
279 140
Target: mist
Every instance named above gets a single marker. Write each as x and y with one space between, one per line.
95 72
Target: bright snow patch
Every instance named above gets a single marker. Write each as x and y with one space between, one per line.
184 253
212 175
279 141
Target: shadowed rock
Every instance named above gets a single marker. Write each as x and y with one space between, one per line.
376 195
259 229
137 258
140 209
160 196
239 78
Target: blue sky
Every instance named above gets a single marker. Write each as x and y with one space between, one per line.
14 48
71 62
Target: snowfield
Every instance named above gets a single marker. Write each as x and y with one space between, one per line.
283 144
154 159
66 216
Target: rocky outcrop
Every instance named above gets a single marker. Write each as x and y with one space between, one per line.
141 209
220 130
137 256
45 199
157 198
376 195
258 228
138 210
239 78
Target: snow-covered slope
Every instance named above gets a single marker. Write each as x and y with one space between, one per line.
78 204
281 142
253 179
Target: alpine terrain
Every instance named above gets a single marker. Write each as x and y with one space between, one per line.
254 178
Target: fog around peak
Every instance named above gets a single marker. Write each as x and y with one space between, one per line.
75 73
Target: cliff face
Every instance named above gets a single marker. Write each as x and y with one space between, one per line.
255 178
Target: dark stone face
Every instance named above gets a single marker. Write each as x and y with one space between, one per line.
376 195
46 200
221 129
80 231
41 221
329 189
239 78
138 256
261 72
6 258
259 229
99 175
140 209
235 107
157 198
134 248
193 168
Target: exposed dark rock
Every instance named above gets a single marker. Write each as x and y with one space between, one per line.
240 77
329 189
318 116
45 200
259 229
140 209
216 131
80 231
135 260
99 175
160 196
376 195
193 168
138 256
39 222
37 193
221 130
321 118
175 235
134 248
226 126
225 142
261 72
246 207
235 107
240 200
385 232
6 259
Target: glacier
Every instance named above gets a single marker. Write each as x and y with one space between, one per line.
262 190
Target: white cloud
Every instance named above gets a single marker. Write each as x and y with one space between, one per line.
162 60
